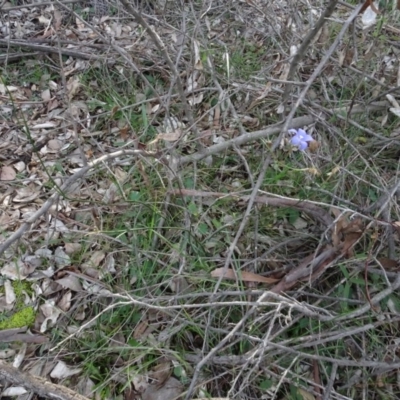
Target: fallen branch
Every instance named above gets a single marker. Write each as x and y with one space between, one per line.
52 50
302 205
7 8
37 384
299 122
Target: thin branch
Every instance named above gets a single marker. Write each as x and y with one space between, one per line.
53 50
7 8
273 130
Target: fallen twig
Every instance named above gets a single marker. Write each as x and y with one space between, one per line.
52 50
302 205
37 384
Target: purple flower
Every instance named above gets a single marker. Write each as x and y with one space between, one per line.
300 138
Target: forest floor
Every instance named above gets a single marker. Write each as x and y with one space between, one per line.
198 200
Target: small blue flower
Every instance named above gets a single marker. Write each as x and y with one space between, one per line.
300 138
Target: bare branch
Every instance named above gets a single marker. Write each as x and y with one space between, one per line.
37 384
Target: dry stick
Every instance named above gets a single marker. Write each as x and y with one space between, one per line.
272 130
383 201
303 205
16 56
329 386
45 3
259 182
55 196
128 300
375 300
37 384
49 49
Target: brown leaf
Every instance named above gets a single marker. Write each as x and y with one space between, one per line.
352 233
140 329
161 372
389 264
171 389
242 275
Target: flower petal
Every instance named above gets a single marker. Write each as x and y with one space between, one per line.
302 132
293 131
303 146
296 140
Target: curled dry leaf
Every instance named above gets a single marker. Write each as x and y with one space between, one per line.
241 275
26 195
369 16
51 314
197 59
20 356
9 292
62 371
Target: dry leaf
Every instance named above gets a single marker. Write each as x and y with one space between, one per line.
7 173
6 89
65 302
62 371
26 195
171 390
168 136
96 258
241 275
18 270
197 60
20 356
305 395
46 96
57 19
14 391
388 263
70 282
161 372
61 258
369 16
51 314
73 86
71 248
140 329
9 292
